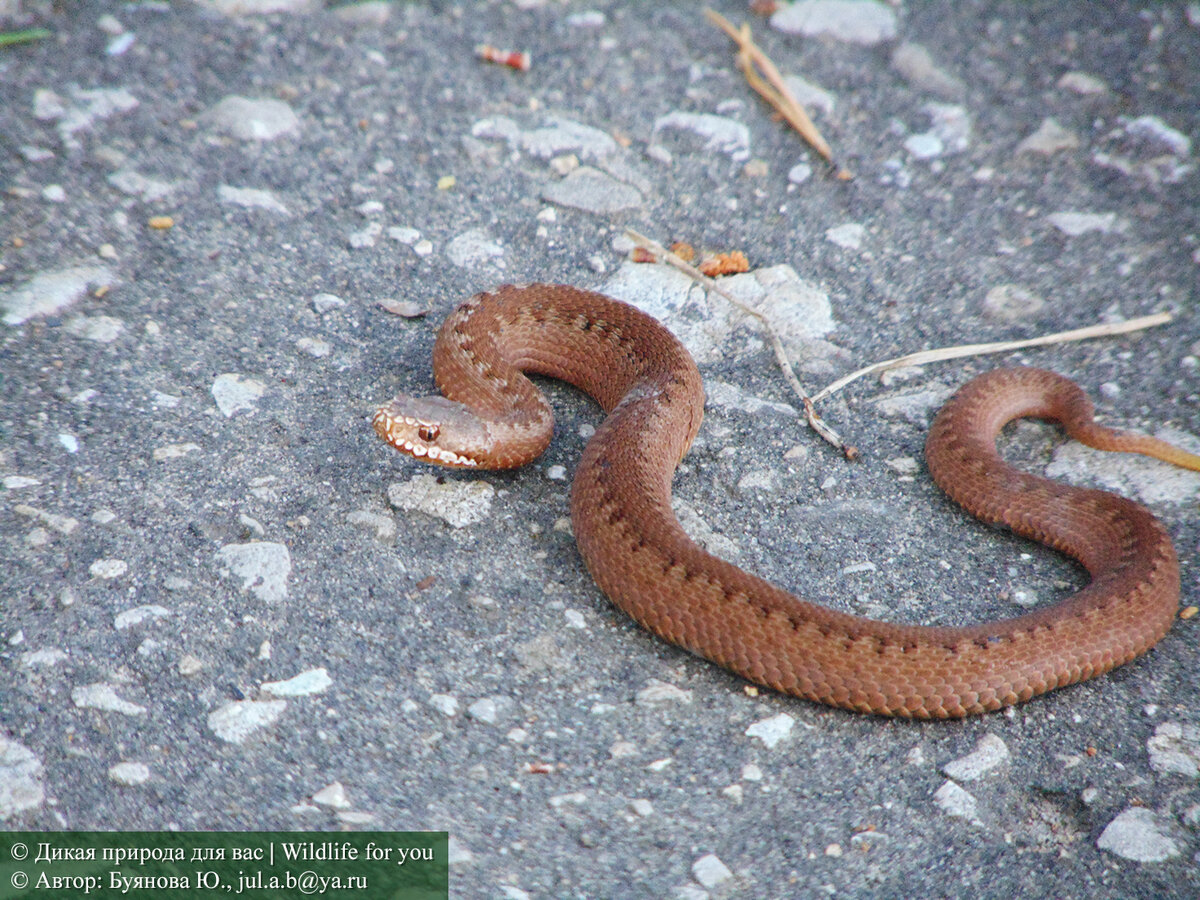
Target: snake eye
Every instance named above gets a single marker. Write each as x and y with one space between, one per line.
428 433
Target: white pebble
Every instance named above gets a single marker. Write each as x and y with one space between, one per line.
710 871
108 568
989 752
129 774
773 730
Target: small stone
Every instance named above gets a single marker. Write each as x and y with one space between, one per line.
458 503
104 696
903 465
327 303
641 807
35 659
751 772
989 753
135 184
848 236
173 451
924 146
446 704
799 173
51 292
236 393
20 779
313 681
457 853
332 795
404 234
565 164
108 569
1011 303
593 191
190 665
574 798
139 614
236 721
101 329
263 566
473 248
916 64
1175 748
957 803
771 731
1049 138
316 347
16 482
864 22
721 134
54 521
483 710
54 193
1074 224
253 119
382 525
710 871
659 693
35 154
161 223
365 238
130 774
556 473
1082 83
1157 133
251 198
1138 835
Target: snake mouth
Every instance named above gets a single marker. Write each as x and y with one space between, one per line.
405 434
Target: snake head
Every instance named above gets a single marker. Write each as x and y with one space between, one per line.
433 429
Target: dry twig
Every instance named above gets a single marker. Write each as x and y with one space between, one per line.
810 413
774 89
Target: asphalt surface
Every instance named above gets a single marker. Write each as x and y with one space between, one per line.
195 505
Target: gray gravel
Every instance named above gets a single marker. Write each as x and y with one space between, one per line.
227 605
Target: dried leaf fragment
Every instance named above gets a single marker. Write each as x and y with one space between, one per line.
730 263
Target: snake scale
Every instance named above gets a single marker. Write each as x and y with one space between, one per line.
492 416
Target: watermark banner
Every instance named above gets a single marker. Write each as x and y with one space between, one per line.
254 865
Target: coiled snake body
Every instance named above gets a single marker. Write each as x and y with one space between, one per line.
492 416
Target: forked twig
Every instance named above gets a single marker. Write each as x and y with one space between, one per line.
815 422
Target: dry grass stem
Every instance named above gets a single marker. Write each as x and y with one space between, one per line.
923 357
810 413
772 88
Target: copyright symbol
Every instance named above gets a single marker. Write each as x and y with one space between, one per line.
19 880
19 851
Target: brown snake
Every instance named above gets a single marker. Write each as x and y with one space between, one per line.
492 416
